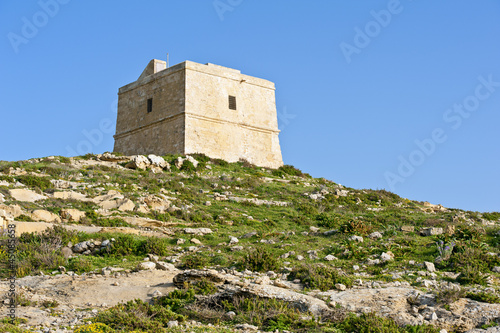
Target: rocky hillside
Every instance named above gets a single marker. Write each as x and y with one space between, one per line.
109 243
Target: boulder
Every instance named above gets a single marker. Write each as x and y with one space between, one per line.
430 266
45 216
386 256
431 231
70 195
355 238
139 162
157 204
12 210
375 235
158 161
146 265
73 215
198 231
407 228
20 194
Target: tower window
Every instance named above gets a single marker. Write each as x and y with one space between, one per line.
150 105
232 102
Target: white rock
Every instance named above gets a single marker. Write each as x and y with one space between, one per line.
375 235
26 195
197 231
233 240
146 265
195 241
157 161
430 266
386 256
330 257
340 286
355 238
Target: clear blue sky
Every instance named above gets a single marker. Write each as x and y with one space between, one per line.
358 82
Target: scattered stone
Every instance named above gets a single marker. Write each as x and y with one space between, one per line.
72 215
430 266
375 235
407 228
233 240
496 269
70 195
431 231
246 327
138 162
146 265
195 241
45 216
355 238
172 323
313 229
66 252
340 286
386 256
330 257
158 161
198 231
250 234
161 265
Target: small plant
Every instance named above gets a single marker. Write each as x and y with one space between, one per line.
444 250
94 328
260 260
41 183
355 226
449 296
484 297
50 304
138 315
155 245
320 277
194 261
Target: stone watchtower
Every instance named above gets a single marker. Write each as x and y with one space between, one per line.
193 108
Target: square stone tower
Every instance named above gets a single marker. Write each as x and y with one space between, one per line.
193 108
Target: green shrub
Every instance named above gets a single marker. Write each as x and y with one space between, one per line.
260 260
42 183
484 297
355 226
126 244
80 264
202 158
221 163
155 245
493 216
176 299
138 315
188 166
194 261
288 170
449 296
319 277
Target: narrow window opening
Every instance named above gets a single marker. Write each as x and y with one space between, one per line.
232 102
150 105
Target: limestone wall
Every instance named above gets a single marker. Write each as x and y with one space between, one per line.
249 132
160 131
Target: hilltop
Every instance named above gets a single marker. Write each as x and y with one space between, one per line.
193 244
